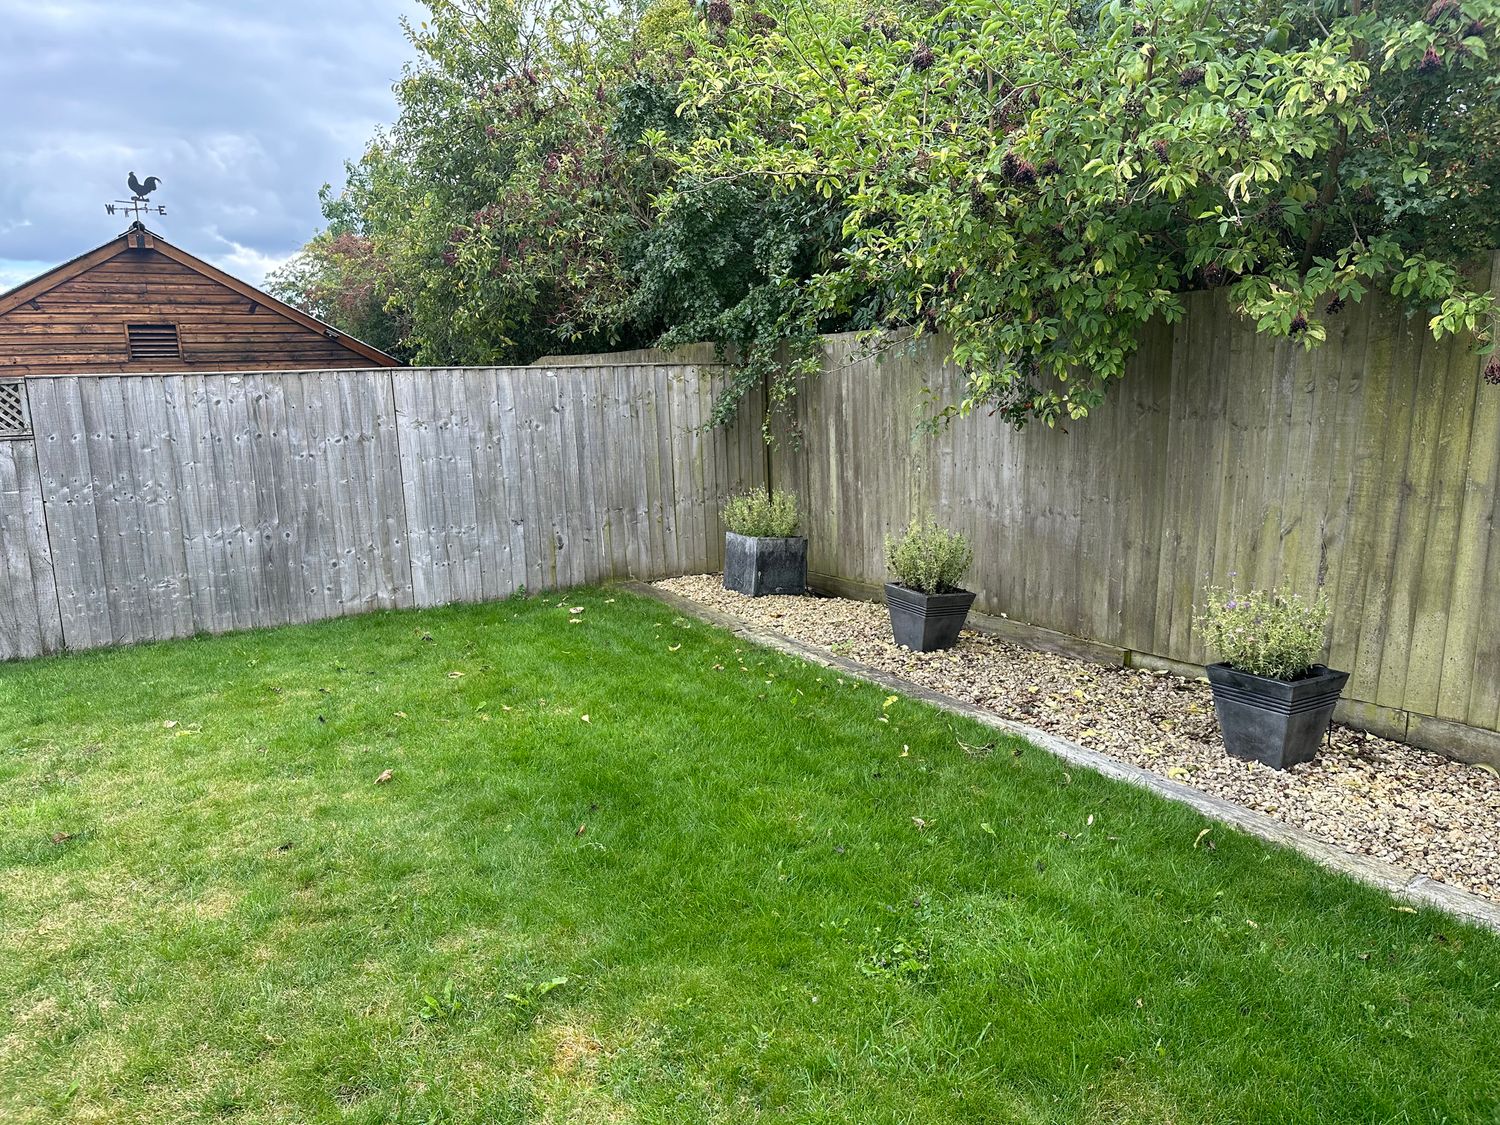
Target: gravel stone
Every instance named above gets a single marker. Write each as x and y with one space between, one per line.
1415 808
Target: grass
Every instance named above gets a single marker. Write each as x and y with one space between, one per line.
631 869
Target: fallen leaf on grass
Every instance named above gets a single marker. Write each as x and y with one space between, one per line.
674 648
1199 838
586 719
400 714
985 826
582 828
1404 909
385 777
576 609
169 724
62 837
921 824
889 700
455 675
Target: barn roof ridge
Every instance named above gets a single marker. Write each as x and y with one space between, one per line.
50 279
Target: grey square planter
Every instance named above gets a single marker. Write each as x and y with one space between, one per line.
926 622
754 565
1278 722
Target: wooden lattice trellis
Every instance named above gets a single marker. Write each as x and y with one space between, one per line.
13 418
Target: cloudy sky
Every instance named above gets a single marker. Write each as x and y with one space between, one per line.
242 108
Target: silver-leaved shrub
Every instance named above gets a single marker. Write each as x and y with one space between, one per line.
763 515
929 558
1270 633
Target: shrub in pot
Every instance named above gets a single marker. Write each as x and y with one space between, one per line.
763 554
927 607
1273 700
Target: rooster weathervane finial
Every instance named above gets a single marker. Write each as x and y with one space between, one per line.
139 202
139 190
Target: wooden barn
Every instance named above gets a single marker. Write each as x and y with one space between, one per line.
138 303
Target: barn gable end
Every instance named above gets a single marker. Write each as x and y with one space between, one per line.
140 304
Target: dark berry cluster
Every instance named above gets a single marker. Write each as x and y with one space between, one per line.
1430 62
720 12
763 21
1335 305
1492 372
922 57
1016 170
1190 76
979 202
1241 121
1298 325
1213 275
1133 106
1161 149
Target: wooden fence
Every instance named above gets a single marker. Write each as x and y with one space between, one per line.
1367 468
147 507
155 506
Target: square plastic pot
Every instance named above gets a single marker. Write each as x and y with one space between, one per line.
756 565
1278 722
926 622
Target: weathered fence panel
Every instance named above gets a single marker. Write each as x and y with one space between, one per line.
1366 468
543 477
181 504
29 620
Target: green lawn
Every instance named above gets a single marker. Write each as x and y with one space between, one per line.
769 894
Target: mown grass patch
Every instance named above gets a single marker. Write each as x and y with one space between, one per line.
628 868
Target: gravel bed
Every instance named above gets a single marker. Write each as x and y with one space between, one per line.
1411 807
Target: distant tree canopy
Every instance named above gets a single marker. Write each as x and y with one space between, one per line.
1034 179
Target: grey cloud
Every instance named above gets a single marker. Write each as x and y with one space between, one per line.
243 110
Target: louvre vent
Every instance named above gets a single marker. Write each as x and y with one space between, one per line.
13 420
151 343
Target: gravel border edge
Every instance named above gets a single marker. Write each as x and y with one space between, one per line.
1398 881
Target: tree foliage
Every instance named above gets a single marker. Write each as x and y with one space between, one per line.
1034 179
1040 179
516 209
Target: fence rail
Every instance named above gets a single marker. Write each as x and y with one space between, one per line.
157 506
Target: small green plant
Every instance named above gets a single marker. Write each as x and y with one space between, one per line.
901 959
526 1000
929 558
445 1006
770 515
1269 633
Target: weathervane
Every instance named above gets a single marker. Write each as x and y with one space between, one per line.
137 204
